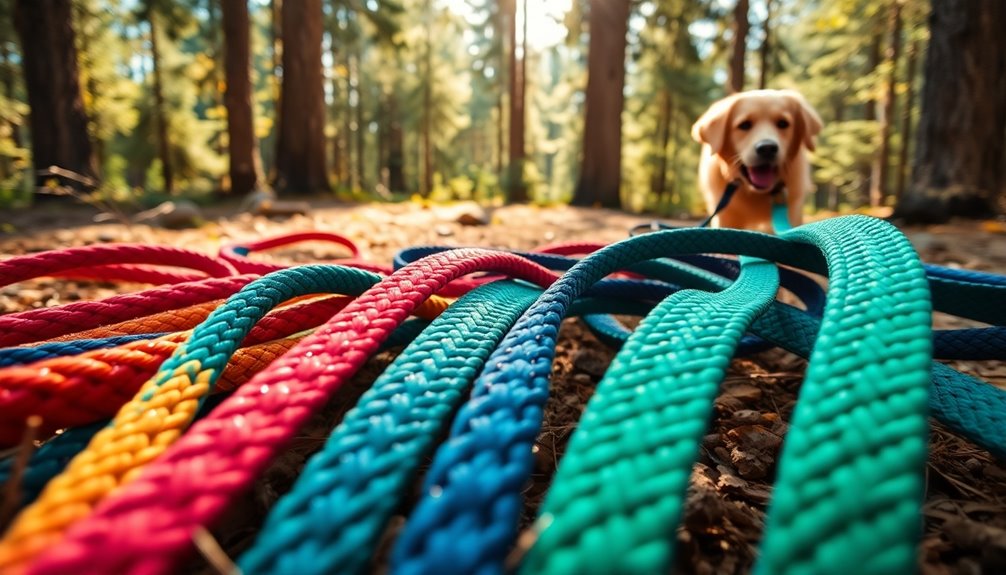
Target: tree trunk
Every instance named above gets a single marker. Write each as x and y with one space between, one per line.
337 147
959 169
601 171
396 146
659 186
427 181
215 50
906 121
353 176
7 79
878 176
765 51
300 148
245 166
361 131
160 114
739 46
516 189
49 64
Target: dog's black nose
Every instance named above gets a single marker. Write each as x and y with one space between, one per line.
767 149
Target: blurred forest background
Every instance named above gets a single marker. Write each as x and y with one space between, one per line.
546 101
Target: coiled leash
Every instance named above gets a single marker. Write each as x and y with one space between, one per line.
21 355
162 409
106 262
237 254
52 457
47 323
237 440
360 477
467 518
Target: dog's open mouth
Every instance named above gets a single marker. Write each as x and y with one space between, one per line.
761 177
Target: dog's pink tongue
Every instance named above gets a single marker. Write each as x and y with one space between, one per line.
762 176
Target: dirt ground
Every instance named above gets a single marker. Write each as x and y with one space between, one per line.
965 510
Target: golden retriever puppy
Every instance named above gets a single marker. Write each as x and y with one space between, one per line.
759 138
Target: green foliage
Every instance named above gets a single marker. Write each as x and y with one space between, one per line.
443 64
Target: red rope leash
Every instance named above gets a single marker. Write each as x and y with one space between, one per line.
130 273
152 518
41 324
237 254
20 268
81 389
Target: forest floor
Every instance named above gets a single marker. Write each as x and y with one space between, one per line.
965 509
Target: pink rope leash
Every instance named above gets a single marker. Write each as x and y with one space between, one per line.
146 526
20 268
41 324
237 254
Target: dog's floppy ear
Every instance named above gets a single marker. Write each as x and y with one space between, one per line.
711 128
809 122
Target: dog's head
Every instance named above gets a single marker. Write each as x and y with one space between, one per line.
757 133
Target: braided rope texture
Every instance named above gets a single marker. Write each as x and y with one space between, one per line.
166 321
467 519
40 324
68 391
72 391
335 513
152 519
21 355
20 268
146 425
53 456
850 483
617 496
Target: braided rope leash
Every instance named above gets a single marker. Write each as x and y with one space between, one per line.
467 519
53 456
358 479
637 530
72 391
21 355
237 254
41 324
164 407
67 391
619 490
152 518
166 321
20 268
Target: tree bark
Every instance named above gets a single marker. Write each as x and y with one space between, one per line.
879 172
215 50
160 114
396 146
906 121
337 147
245 165
739 46
426 128
361 131
601 170
659 180
300 148
516 189
352 177
49 63
765 51
959 169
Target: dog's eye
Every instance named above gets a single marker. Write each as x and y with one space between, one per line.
745 125
782 124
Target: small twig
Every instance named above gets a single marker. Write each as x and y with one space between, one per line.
525 541
214 554
12 488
